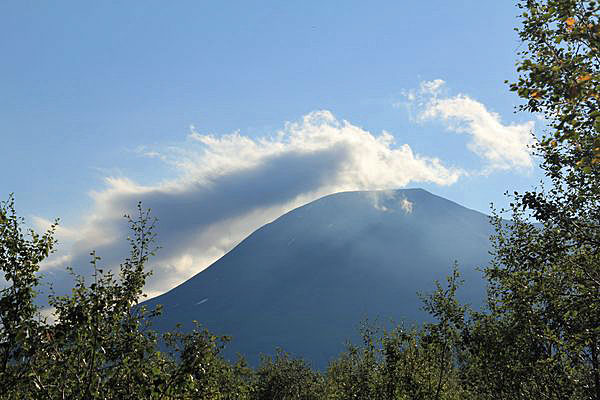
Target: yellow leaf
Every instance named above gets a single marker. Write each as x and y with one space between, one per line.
584 78
553 143
570 23
536 95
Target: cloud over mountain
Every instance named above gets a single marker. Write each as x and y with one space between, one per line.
231 185
228 186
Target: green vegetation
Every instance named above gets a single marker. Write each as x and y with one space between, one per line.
100 346
560 74
537 338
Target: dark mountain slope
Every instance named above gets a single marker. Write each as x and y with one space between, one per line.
305 281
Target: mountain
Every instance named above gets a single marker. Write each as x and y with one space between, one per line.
305 281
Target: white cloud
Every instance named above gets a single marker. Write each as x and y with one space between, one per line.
48 314
502 146
231 185
406 205
387 201
61 233
433 87
379 198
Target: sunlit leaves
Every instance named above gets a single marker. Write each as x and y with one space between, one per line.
101 345
559 73
584 78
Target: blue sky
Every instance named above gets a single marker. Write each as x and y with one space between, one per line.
106 103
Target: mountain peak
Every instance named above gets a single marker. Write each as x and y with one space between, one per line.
305 281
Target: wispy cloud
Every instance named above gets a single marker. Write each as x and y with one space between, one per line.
62 232
502 146
388 201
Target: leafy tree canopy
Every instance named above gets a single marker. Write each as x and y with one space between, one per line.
560 72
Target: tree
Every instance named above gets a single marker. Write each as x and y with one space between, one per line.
19 261
285 378
101 345
541 335
545 293
425 363
560 73
358 372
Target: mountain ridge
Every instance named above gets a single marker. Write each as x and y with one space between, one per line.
304 281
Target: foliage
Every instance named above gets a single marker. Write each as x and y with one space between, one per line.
358 373
100 346
560 73
545 279
402 364
285 378
19 261
540 337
